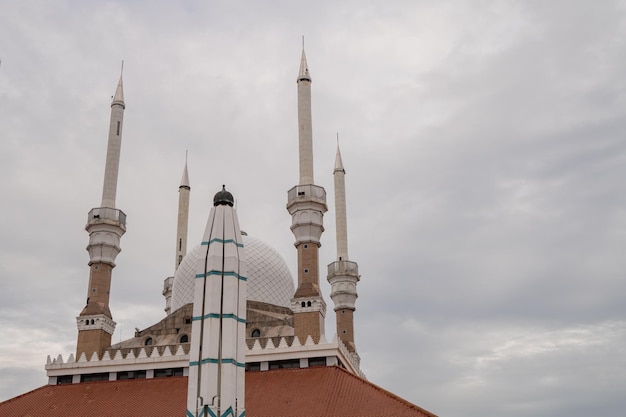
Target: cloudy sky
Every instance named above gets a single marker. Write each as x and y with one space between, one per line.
485 149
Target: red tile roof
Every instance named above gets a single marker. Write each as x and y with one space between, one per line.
308 392
138 397
321 391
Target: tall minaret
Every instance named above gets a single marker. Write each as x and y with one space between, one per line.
218 344
183 217
184 191
306 203
105 225
343 275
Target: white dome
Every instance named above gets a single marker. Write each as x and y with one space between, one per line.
269 279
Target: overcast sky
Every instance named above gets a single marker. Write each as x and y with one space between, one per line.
485 150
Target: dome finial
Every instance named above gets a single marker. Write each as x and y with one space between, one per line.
223 198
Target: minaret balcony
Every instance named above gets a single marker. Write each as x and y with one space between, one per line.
107 215
309 193
106 226
307 205
343 277
342 267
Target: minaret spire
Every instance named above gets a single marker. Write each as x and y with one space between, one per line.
340 207
343 275
184 192
306 203
105 225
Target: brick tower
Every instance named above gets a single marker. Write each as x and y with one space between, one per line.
106 225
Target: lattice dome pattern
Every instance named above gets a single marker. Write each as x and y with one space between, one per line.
269 279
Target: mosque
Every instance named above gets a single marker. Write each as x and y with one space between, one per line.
238 338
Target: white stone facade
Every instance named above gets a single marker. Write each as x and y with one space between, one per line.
307 205
96 322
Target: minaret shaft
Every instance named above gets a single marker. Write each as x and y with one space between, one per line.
345 327
100 283
114 146
305 125
341 223
305 132
308 263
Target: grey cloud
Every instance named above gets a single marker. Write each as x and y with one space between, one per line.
483 145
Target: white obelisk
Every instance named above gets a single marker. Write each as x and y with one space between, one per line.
218 345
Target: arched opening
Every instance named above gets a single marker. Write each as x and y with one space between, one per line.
148 342
184 339
256 333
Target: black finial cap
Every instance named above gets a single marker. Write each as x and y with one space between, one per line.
223 198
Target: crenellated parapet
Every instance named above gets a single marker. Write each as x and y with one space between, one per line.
121 357
261 354
268 354
118 364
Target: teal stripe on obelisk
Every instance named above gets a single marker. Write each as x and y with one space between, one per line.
220 273
217 316
214 360
218 240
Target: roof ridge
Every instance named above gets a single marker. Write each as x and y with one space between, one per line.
384 391
26 393
364 381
